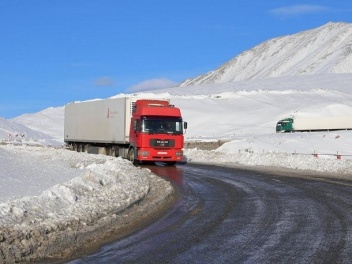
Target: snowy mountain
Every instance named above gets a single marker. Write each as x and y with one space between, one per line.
324 50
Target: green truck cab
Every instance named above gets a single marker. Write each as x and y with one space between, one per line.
284 125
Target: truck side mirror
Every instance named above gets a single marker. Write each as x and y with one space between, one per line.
185 125
135 125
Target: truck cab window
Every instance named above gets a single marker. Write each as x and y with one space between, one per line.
162 126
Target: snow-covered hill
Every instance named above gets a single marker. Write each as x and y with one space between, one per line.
11 130
245 112
49 121
324 50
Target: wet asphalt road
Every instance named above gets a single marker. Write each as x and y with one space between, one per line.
227 215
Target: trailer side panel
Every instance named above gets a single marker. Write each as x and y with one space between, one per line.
322 123
99 121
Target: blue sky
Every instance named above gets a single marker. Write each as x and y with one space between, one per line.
58 51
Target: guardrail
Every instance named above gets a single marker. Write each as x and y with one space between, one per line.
211 145
316 155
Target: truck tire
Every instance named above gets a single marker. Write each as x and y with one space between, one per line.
115 151
131 156
80 147
85 148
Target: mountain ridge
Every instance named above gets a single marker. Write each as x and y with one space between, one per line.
323 50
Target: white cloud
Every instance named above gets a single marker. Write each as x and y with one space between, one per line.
298 10
152 84
104 81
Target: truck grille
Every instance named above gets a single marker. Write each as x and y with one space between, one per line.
162 158
162 143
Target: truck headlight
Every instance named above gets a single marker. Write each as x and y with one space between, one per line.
179 153
143 153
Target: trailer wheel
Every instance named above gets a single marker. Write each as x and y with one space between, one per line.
115 151
131 156
80 147
85 148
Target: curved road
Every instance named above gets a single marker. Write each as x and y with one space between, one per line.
227 215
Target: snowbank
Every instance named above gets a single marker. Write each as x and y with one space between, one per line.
342 168
33 227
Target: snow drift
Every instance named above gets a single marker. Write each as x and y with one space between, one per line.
86 202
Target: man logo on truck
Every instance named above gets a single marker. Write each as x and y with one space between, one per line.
162 143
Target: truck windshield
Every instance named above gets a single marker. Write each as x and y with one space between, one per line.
162 125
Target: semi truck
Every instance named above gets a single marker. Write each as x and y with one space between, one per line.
141 130
296 123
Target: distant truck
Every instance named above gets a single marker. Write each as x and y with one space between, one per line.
314 124
141 130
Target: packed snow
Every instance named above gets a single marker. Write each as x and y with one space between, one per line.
38 182
52 195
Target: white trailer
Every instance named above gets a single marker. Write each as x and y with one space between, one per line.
99 126
322 123
99 121
297 123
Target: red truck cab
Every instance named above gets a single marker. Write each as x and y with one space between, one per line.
156 132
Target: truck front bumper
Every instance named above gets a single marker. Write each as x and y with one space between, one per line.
160 154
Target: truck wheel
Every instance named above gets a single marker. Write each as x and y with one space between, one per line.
115 151
80 147
112 152
85 148
131 156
